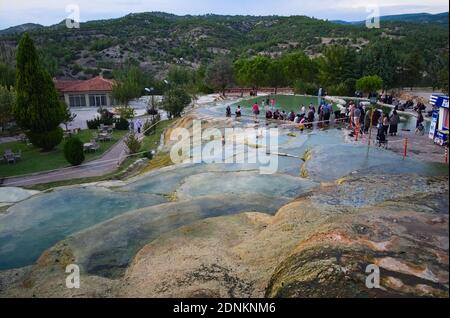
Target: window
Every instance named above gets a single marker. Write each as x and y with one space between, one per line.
77 101
97 100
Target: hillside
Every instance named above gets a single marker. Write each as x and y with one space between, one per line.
156 40
27 27
440 18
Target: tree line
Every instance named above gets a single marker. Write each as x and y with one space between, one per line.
338 70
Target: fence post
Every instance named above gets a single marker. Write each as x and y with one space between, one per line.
446 154
405 148
357 129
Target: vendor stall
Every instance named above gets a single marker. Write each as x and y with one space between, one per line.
440 124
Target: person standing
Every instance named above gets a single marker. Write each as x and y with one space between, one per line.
256 111
368 118
327 108
420 120
419 125
385 124
363 116
352 114
321 113
139 126
311 115
393 122
357 119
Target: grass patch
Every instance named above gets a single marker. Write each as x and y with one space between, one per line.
34 160
152 142
284 102
306 157
159 161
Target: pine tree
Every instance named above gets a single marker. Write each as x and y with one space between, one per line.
37 109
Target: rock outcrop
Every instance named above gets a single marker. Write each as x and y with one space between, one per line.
316 246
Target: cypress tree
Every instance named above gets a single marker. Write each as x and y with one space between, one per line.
37 109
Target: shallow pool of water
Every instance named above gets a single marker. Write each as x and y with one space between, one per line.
332 162
32 226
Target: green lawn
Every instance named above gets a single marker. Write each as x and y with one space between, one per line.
34 160
284 102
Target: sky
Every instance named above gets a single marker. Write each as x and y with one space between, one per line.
48 12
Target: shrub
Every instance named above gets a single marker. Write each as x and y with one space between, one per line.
175 100
46 140
122 124
369 84
126 112
133 144
305 88
340 89
94 123
74 152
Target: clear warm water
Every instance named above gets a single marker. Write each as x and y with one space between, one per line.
36 224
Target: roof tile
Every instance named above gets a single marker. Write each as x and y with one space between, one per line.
95 84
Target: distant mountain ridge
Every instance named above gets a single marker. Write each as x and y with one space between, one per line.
22 28
157 40
439 18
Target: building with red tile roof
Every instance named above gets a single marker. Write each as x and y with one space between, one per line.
95 92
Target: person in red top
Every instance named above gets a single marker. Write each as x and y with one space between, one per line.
255 110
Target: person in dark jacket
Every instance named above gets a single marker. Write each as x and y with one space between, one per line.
394 120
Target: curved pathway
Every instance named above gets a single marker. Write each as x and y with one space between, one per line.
107 163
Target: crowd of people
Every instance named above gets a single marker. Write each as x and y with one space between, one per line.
303 118
359 117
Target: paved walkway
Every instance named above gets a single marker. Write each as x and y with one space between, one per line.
107 163
5 140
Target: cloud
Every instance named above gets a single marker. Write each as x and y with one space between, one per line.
48 12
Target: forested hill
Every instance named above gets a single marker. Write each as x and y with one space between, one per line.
156 40
440 18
